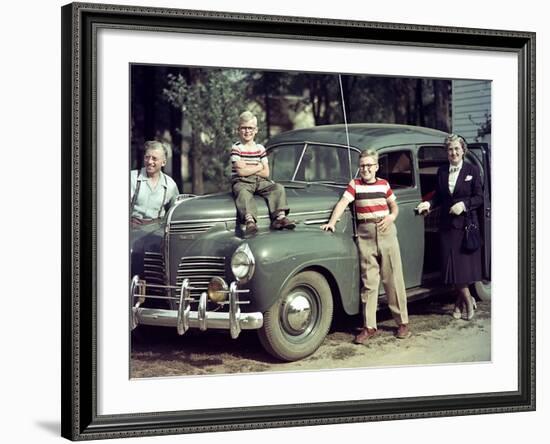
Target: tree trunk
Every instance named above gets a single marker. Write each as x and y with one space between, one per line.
197 182
346 81
441 102
176 116
313 98
401 101
267 105
419 103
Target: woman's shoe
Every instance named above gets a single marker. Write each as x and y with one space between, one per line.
468 315
457 313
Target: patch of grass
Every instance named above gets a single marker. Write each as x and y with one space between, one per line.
343 353
465 325
149 370
245 366
337 337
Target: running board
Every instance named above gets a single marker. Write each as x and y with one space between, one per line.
417 293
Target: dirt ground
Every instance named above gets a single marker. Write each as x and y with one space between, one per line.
437 338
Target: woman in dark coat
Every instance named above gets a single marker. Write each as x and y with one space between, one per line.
458 194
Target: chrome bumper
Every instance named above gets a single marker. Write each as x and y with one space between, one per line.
169 318
183 318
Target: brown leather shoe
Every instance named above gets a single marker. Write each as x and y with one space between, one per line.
251 228
403 332
285 222
364 335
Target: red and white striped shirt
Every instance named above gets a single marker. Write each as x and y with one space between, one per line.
371 199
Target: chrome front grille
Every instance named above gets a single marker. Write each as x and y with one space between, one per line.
192 227
199 270
153 273
153 268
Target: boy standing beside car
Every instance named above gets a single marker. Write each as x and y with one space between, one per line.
376 210
250 176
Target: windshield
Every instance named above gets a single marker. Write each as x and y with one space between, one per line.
315 163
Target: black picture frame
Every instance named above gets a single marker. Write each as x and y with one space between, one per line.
79 208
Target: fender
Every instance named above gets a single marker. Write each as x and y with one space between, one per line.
280 258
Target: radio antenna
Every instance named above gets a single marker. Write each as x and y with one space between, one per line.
345 123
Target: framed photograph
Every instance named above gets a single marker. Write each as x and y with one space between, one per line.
149 92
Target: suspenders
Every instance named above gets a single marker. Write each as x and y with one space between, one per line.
163 197
134 197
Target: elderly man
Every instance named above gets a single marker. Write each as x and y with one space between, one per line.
152 192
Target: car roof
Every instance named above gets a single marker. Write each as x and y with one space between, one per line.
362 135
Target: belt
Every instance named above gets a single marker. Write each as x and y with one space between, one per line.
369 221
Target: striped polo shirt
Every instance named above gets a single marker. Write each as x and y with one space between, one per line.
249 154
371 199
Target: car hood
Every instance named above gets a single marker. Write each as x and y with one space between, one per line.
302 198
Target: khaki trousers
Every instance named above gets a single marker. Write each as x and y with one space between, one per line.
245 188
380 258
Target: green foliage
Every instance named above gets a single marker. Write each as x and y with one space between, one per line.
211 101
484 128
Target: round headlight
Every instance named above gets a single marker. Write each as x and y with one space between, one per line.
217 290
242 263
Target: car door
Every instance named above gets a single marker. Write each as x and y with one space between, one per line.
481 154
430 157
397 166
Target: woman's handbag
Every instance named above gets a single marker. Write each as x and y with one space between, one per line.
472 237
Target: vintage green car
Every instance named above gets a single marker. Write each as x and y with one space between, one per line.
196 269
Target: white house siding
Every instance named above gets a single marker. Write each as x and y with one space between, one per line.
471 103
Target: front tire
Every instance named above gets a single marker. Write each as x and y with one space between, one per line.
296 325
482 290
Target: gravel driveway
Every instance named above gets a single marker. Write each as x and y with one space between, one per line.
437 338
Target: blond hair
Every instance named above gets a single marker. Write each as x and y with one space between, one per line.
247 116
454 138
155 145
369 152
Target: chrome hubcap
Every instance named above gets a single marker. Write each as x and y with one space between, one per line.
297 313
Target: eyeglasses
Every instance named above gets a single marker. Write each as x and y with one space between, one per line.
151 158
367 165
247 128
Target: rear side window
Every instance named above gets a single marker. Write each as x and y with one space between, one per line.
396 168
430 158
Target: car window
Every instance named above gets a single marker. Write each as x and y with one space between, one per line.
396 168
319 163
283 160
322 163
430 158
